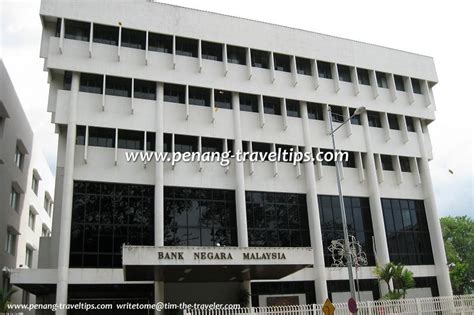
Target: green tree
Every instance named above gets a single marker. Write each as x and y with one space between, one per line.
458 235
398 275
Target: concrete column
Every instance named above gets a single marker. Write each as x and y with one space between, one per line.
246 285
159 292
159 193
66 208
313 215
240 206
380 236
434 226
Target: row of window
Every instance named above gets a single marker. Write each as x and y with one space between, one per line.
16 195
10 248
105 34
108 215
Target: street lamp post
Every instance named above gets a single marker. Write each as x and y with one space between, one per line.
341 198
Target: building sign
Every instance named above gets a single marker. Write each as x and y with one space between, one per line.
221 255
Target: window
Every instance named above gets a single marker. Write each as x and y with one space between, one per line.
407 231
106 34
161 43
48 203
144 89
174 93
344 73
325 154
10 243
387 163
185 143
374 119
211 51
131 139
263 148
415 83
303 66
393 122
355 120
19 158
104 217
410 124
77 30
248 102
277 219
133 39
29 257
271 105
283 151
212 145
350 160
67 80
293 108
405 164
236 55
167 140
399 83
363 76
199 96
15 199
91 83
35 183
187 47
118 86
199 217
260 58
336 113
222 99
80 135
150 141
282 62
382 80
32 219
315 111
102 137
359 223
324 70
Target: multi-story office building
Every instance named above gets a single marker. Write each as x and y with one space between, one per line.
26 189
143 76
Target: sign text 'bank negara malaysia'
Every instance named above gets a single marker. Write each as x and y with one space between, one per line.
205 255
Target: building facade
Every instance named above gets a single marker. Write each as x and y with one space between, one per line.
26 189
143 76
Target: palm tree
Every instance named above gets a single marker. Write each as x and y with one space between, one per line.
5 296
397 274
385 274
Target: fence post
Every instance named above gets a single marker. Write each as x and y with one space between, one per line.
314 309
369 307
418 306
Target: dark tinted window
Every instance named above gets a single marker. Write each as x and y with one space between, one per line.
223 99
199 96
91 83
416 86
77 30
350 160
262 147
293 108
144 89
236 55
150 141
67 80
260 58
363 76
277 219
212 145
199 217
131 139
211 51
344 73
174 93
410 124
399 83
336 112
106 34
118 86
167 139
315 111
382 80
271 105
393 121
355 120
248 102
374 119
405 164
387 162
184 143
160 42
281 62
133 38
303 66
324 70
102 137
186 47
80 135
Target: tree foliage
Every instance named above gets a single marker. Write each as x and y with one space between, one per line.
458 235
398 275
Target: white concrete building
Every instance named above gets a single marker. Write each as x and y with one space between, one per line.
144 76
26 189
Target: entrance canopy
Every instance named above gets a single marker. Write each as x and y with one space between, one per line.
212 264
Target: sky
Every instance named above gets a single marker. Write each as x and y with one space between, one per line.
441 29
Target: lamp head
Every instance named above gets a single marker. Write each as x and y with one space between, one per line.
360 110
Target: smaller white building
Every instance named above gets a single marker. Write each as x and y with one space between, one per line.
26 189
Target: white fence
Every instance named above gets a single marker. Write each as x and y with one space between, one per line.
453 305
